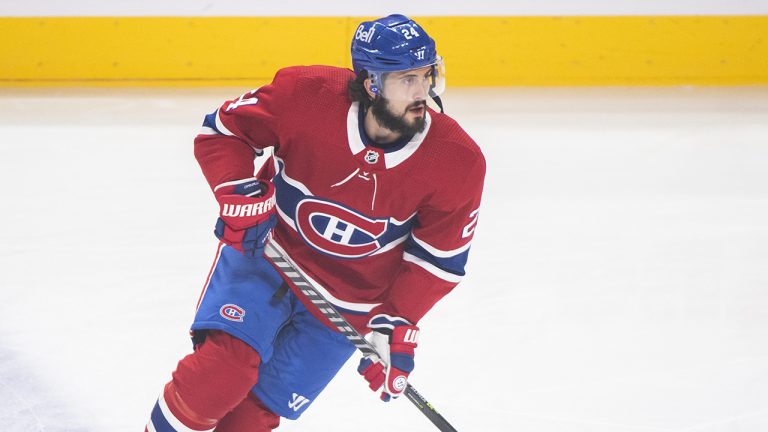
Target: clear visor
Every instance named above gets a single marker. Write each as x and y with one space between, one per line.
410 85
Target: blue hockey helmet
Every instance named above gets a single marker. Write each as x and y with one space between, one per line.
396 43
392 43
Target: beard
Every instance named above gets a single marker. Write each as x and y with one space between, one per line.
398 123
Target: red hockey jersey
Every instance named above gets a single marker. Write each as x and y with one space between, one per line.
382 230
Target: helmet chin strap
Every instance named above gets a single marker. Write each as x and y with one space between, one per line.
437 100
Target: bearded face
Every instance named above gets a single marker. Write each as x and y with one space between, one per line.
406 119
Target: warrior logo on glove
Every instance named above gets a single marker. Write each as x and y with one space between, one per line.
246 210
247 214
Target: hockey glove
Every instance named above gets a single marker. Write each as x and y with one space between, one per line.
395 339
246 214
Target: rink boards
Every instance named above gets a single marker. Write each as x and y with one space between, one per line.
479 51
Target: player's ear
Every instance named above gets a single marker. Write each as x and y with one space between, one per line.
367 84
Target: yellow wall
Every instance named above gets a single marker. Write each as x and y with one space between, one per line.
479 51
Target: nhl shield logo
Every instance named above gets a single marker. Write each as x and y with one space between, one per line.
372 156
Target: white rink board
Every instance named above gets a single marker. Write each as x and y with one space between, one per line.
359 8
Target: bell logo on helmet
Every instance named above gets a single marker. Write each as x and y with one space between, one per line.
396 43
364 36
388 44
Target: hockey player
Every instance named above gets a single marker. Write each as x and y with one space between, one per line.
371 193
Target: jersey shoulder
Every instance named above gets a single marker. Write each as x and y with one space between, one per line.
452 143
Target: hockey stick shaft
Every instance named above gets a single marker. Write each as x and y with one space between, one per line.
290 270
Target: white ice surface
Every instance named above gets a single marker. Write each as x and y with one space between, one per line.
618 281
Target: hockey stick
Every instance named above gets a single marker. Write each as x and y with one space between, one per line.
290 270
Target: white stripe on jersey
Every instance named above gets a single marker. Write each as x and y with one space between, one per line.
391 245
397 222
220 126
353 129
295 183
205 130
287 219
438 252
442 274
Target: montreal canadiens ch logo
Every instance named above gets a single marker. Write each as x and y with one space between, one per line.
337 230
232 312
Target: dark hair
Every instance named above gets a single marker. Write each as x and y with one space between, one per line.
357 92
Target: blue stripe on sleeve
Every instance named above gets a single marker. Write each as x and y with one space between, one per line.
454 264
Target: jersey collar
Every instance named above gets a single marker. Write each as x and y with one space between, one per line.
392 158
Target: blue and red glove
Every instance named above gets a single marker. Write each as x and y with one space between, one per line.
246 214
395 339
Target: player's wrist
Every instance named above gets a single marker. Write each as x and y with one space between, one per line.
249 186
386 323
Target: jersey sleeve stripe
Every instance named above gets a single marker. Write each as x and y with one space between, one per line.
454 265
426 265
438 252
391 245
209 122
220 126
